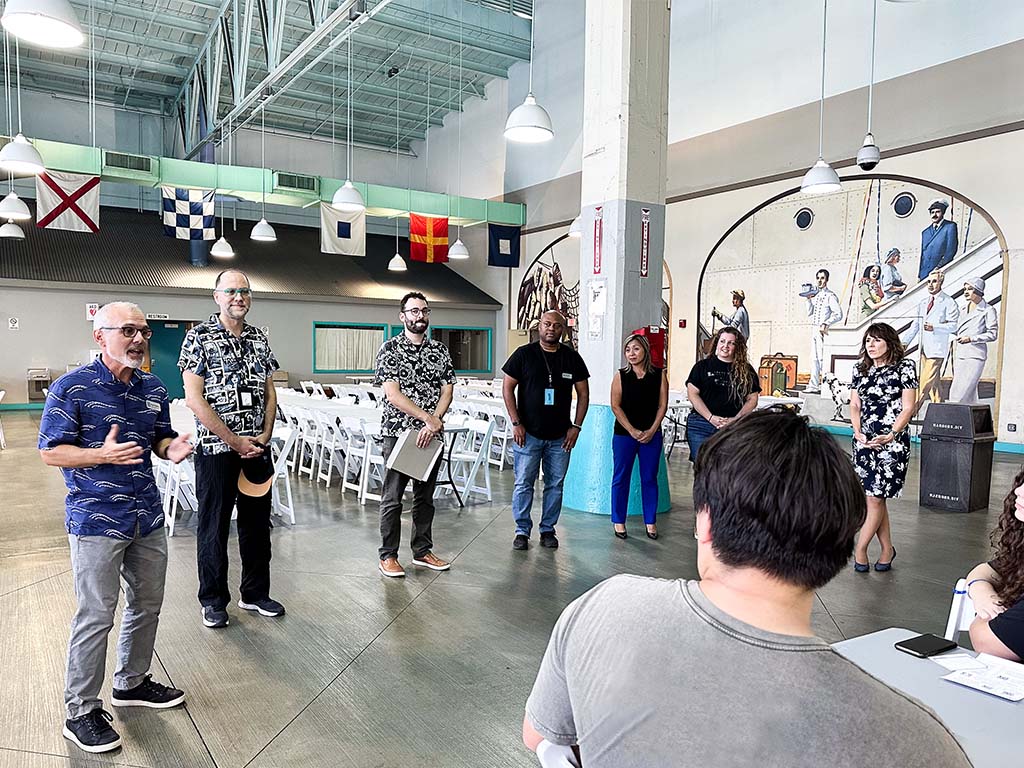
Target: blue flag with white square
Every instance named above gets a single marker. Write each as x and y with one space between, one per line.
342 232
503 245
188 213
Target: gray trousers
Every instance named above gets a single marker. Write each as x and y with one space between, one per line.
99 564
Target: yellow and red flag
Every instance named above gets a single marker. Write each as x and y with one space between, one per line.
428 239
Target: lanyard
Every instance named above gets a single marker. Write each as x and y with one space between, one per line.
544 357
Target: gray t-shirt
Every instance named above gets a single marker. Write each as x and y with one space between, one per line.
646 672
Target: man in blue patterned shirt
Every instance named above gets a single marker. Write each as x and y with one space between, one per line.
115 522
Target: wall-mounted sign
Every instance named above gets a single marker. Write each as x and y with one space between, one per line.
13 324
598 231
157 316
90 311
645 240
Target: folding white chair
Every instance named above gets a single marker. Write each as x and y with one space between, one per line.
312 435
374 466
291 419
179 490
355 450
281 445
332 449
469 453
3 440
961 612
307 387
318 390
500 451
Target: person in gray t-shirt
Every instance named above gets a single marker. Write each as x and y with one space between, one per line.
726 671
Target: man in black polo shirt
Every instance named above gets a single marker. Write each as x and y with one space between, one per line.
539 382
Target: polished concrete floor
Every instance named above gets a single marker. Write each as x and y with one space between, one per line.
365 671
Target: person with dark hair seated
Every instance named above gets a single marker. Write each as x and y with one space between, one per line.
726 671
997 587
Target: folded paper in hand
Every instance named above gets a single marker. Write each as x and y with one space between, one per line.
411 460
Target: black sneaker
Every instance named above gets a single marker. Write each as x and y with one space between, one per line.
92 732
264 605
521 542
215 618
549 540
148 694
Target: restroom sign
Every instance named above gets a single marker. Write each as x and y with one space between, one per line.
598 230
645 240
90 311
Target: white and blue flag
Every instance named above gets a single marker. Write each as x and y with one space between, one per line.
342 231
188 213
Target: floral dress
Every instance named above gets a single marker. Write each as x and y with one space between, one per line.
883 470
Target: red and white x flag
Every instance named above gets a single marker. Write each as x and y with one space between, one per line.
68 201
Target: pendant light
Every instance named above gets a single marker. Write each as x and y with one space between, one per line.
821 179
45 23
222 248
12 231
869 155
576 228
347 198
13 208
458 250
263 232
397 263
18 156
529 123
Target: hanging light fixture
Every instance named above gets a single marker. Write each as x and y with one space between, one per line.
13 208
529 123
869 155
397 263
347 197
18 156
263 231
45 23
458 250
576 228
12 231
222 248
821 179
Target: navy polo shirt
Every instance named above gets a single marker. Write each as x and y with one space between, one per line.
119 501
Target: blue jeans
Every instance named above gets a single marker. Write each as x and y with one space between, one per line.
527 461
624 453
698 429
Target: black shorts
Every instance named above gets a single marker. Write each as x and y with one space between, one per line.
1008 626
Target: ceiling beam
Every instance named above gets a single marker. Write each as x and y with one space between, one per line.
119 8
442 28
106 78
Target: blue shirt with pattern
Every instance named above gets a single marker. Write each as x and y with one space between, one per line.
114 500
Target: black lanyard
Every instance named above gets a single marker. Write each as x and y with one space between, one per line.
544 357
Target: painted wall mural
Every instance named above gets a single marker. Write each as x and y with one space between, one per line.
808 274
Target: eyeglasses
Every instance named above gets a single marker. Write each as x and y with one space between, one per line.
129 331
232 292
417 312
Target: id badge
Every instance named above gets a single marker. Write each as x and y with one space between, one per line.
549 396
244 398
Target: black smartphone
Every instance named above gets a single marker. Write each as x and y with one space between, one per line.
924 646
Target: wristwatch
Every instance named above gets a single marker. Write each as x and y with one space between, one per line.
515 423
578 426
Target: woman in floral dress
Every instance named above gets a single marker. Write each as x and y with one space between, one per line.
883 396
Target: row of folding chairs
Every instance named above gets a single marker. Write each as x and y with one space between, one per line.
358 394
500 452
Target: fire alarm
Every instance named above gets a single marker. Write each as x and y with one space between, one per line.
682 323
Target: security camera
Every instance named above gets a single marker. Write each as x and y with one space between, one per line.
868 156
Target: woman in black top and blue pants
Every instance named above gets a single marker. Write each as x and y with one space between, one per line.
639 400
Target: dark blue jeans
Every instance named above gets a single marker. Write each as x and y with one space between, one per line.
698 429
624 453
527 462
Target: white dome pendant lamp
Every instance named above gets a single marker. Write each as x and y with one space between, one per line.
576 228
347 198
397 263
45 23
529 123
222 248
263 232
458 250
12 231
13 208
17 156
869 155
821 178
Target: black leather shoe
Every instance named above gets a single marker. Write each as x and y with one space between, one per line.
620 534
652 535
520 542
549 540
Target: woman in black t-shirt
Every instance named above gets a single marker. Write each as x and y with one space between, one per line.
721 388
639 400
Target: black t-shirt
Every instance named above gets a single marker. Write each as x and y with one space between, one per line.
711 378
640 398
537 370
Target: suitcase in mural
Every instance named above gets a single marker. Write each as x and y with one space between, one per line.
772 376
788 362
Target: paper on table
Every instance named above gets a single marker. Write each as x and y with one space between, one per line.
1000 677
958 660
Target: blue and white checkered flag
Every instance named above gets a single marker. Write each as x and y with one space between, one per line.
188 213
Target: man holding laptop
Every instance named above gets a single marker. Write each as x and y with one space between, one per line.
418 379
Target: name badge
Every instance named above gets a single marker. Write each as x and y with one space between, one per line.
244 398
152 405
549 396
567 376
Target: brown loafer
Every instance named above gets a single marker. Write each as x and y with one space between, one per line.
390 566
431 561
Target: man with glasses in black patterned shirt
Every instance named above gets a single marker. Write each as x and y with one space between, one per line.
418 378
226 367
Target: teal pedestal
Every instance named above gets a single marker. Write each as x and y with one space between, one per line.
588 483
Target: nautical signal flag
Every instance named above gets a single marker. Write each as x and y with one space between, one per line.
188 213
342 232
68 201
428 239
503 245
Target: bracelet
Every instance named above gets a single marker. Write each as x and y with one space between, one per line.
975 581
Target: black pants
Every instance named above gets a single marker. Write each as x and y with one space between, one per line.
391 508
217 489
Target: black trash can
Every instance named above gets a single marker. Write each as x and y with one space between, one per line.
956 456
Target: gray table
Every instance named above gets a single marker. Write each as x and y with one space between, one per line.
989 728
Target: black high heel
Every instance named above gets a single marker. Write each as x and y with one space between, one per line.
880 566
620 534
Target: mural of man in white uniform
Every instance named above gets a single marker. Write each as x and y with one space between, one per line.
824 310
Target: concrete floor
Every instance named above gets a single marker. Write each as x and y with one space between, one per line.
367 671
